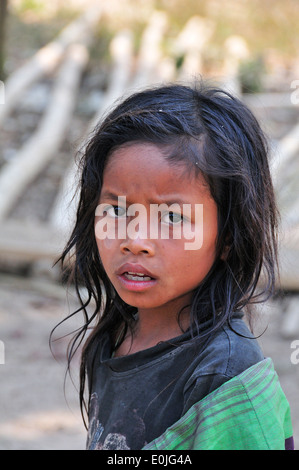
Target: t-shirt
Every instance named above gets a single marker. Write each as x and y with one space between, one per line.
135 398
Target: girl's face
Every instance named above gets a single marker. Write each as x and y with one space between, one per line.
154 255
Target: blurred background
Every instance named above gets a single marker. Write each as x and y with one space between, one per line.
62 65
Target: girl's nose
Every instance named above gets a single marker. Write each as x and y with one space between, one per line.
137 245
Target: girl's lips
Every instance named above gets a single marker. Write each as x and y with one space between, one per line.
134 270
135 277
135 285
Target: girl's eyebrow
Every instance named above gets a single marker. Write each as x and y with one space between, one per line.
109 195
169 202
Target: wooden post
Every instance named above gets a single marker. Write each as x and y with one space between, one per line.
48 58
38 151
121 49
191 43
150 50
236 50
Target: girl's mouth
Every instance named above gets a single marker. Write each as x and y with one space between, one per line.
135 277
139 277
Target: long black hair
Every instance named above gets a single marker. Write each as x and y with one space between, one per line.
214 134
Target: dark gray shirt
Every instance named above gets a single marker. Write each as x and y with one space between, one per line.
135 398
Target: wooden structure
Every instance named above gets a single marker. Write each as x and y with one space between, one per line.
65 60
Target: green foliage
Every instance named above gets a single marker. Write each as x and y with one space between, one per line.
251 75
34 5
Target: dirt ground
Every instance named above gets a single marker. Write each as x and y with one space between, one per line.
35 412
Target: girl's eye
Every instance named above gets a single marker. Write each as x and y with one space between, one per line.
116 211
172 218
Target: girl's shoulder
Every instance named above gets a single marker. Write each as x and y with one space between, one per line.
229 352
240 347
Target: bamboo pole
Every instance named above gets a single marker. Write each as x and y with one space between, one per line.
38 150
48 58
150 55
121 49
287 149
190 44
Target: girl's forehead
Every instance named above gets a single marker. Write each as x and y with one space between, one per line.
140 160
144 166
135 156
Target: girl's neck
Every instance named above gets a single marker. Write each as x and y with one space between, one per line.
151 329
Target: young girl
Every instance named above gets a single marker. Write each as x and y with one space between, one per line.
175 224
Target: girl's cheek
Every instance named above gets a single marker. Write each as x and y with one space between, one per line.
106 246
